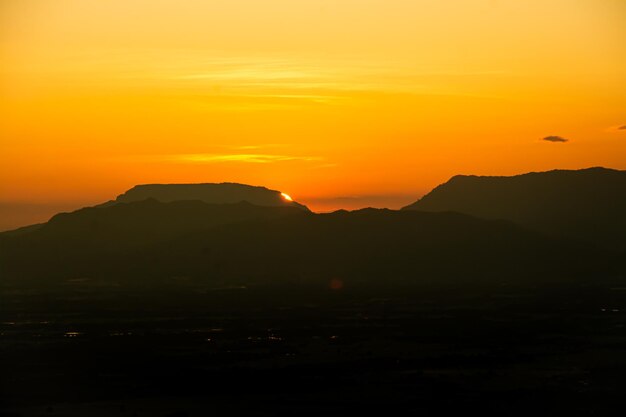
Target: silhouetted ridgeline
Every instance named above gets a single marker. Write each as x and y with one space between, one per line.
224 193
588 204
137 241
245 244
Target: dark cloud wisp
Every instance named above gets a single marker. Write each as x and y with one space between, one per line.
555 139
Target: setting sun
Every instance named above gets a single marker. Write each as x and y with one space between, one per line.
286 197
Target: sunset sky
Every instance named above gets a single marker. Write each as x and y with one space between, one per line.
339 103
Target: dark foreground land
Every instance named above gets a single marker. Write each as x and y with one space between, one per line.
188 350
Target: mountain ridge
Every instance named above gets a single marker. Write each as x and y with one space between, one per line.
212 193
242 243
587 204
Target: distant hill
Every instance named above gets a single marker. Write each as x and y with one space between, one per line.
86 239
149 241
587 204
223 193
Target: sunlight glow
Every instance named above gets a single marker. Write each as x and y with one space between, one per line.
382 99
286 197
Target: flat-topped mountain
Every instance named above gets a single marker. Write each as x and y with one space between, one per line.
587 204
211 193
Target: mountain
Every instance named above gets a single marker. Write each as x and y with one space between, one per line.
85 238
506 230
224 193
148 241
587 204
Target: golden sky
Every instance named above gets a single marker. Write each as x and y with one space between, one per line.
340 103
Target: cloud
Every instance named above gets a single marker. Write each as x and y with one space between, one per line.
555 139
622 127
256 147
297 80
239 157
255 154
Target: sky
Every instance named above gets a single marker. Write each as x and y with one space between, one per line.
339 103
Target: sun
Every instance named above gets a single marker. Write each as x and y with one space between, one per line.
286 197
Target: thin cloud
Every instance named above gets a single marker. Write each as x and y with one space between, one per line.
555 139
300 79
255 147
254 154
239 157
622 127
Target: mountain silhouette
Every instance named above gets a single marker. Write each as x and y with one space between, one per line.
242 243
86 236
587 204
223 193
471 229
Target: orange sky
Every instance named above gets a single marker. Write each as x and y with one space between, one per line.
340 103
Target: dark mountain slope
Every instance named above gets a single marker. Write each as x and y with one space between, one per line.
243 244
89 239
149 221
588 204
